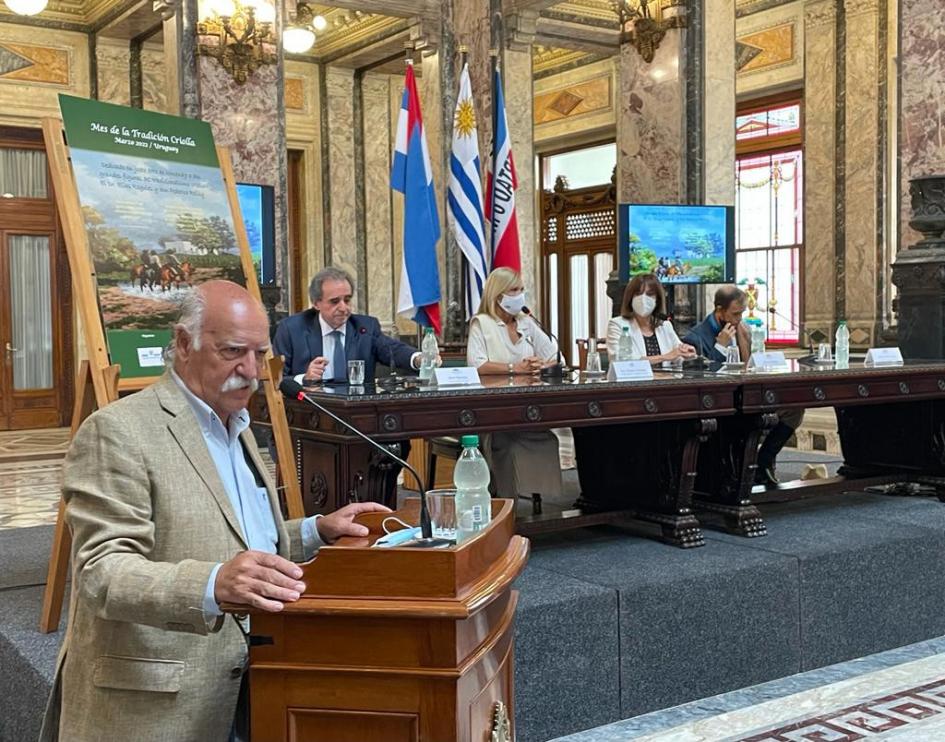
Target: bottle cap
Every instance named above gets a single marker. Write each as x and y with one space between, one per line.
469 441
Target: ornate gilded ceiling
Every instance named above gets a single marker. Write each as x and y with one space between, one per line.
83 12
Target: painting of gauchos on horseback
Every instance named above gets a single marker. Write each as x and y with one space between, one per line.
155 229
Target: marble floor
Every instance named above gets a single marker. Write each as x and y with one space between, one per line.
30 445
894 695
29 492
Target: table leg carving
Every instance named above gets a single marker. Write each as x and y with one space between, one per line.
727 473
617 472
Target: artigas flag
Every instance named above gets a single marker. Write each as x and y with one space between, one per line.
412 175
500 192
464 198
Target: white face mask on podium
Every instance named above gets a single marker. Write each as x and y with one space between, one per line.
513 303
643 305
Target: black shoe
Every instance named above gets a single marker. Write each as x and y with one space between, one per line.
765 475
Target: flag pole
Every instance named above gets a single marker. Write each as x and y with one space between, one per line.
494 71
464 262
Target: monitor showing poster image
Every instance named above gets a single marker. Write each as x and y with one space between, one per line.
679 243
257 205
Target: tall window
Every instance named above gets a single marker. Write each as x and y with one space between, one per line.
578 241
769 178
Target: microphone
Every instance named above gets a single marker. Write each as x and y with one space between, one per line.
292 389
558 368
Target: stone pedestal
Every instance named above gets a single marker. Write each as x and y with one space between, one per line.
919 273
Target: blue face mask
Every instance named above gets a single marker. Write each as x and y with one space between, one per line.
397 538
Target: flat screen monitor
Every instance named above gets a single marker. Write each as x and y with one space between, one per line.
257 204
679 243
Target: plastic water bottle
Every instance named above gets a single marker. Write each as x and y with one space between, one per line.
842 353
471 479
757 337
429 350
625 346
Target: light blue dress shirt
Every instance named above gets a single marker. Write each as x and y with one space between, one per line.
250 502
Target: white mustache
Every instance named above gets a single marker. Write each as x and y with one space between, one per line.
235 382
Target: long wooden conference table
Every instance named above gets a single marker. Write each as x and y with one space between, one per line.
668 451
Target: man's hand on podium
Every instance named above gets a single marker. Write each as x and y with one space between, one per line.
261 580
340 523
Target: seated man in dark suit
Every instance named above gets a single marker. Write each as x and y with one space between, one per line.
710 337
317 343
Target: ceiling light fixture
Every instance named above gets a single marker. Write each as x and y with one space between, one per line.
26 7
299 36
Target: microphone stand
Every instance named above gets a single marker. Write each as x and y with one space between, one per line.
559 368
290 388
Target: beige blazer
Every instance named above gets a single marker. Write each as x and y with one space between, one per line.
150 519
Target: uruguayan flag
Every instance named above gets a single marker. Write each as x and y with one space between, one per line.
465 194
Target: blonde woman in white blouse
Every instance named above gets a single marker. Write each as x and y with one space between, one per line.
503 340
643 312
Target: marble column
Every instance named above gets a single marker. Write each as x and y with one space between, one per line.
378 145
719 102
820 163
922 99
651 135
863 200
339 84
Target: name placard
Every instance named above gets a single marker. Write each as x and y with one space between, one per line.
630 371
767 359
883 357
456 376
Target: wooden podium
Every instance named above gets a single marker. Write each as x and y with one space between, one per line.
393 644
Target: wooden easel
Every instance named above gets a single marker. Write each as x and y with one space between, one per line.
98 381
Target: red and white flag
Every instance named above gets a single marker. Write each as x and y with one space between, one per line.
500 190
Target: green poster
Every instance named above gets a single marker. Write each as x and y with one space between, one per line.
157 218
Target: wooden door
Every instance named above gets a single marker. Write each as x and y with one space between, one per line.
35 291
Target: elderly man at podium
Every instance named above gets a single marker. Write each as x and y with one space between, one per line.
173 513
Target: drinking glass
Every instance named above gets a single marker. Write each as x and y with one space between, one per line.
824 352
355 373
732 354
593 367
442 505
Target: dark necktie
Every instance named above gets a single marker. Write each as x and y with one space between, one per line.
338 365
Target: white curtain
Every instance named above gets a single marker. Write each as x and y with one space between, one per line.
23 173
32 312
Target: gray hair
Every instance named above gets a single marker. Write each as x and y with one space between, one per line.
728 294
192 310
329 273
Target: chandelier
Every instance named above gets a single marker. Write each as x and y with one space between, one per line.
239 35
299 36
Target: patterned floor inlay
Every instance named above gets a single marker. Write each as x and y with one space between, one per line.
29 493
905 701
27 445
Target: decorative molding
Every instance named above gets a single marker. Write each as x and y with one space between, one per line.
859 7
521 28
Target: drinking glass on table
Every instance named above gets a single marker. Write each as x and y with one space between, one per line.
355 373
732 354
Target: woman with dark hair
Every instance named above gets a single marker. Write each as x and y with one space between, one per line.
643 314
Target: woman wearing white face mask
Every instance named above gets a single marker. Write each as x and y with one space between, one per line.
642 311
504 340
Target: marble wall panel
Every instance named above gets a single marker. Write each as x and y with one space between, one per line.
377 158
520 98
922 99
112 58
862 175
23 101
340 91
779 33
719 102
650 124
820 105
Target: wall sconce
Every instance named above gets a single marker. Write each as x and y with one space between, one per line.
238 35
639 28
